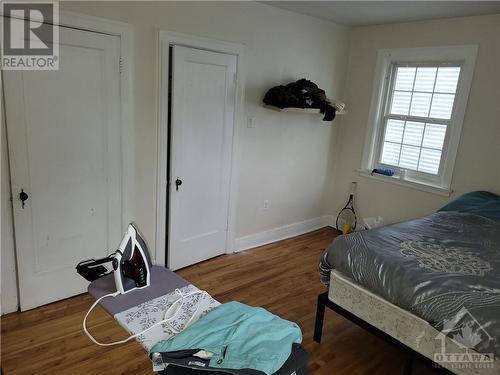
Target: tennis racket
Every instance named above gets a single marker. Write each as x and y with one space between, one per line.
347 219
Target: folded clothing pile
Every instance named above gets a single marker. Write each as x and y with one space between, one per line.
232 336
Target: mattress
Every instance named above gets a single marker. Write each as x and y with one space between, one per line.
408 328
441 268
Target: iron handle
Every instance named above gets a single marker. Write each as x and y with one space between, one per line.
178 182
23 196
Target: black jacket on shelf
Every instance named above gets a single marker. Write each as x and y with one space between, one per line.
300 94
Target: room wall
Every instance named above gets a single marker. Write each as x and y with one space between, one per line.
285 158
477 163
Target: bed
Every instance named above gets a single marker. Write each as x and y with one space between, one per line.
430 284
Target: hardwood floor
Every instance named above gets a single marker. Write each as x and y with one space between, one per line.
282 277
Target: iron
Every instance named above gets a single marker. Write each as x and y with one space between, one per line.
130 263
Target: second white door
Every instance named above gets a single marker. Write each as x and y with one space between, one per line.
203 101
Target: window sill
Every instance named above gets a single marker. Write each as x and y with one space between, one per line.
407 183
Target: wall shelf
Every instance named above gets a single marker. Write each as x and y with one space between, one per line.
300 110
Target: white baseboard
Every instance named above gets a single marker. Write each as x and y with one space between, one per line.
281 233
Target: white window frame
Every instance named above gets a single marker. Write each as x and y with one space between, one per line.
387 59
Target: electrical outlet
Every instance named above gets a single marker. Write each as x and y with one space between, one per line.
265 204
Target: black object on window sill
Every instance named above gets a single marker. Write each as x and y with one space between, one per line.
300 94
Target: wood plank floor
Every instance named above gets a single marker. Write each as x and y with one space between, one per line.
282 277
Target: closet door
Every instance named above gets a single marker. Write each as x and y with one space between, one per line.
203 101
65 163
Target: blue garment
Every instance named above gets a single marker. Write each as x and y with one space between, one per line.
481 203
239 336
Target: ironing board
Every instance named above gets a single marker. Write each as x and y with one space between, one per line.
139 309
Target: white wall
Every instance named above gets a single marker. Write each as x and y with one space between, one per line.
477 165
285 158
8 281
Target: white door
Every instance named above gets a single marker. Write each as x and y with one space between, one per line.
64 148
203 101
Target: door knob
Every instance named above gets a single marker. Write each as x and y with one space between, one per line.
178 182
23 196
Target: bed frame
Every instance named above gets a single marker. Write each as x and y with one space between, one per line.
324 302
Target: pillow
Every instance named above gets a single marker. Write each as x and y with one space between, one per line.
481 203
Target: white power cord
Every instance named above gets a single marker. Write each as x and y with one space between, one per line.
166 318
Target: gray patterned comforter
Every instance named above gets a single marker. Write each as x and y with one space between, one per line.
433 267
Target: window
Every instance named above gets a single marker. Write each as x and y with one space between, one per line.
417 112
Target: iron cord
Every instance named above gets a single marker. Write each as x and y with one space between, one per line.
167 318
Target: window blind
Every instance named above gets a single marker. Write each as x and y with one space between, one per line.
419 111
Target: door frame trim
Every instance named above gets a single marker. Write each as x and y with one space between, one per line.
165 40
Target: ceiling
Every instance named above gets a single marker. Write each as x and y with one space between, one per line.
363 13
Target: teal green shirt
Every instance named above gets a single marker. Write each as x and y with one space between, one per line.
239 336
